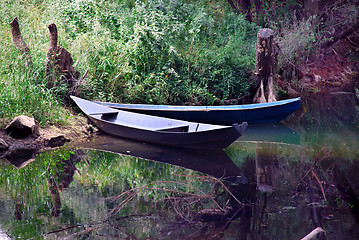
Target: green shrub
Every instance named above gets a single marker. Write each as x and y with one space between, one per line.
162 51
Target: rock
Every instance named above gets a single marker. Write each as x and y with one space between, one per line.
56 141
3 145
22 127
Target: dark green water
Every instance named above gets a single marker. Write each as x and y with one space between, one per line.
279 181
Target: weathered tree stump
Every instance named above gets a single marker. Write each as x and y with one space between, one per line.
266 62
59 65
19 40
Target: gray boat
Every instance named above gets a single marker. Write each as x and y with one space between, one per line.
159 130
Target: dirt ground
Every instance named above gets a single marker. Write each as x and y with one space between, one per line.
332 69
51 136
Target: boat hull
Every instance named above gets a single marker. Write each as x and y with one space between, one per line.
221 115
201 140
159 130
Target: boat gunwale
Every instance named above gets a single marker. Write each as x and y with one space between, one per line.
177 108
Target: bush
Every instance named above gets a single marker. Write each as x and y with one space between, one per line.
162 51
297 41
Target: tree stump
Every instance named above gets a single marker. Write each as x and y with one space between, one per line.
19 40
266 62
59 65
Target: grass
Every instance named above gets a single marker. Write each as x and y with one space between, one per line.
22 86
168 52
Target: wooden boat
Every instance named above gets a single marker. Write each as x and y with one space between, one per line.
222 115
159 130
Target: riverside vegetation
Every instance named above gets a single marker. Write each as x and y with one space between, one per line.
180 52
161 52
154 51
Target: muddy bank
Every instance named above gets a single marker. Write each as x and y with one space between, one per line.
23 149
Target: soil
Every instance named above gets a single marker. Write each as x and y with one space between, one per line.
334 69
50 137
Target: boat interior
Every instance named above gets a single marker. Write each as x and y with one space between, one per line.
153 123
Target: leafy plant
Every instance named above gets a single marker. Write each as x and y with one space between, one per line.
163 51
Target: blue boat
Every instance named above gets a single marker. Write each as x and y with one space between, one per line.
221 115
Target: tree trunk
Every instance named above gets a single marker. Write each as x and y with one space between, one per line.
265 168
55 197
246 7
266 61
51 57
233 6
19 40
259 7
60 64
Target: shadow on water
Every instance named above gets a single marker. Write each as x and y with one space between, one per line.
276 182
20 157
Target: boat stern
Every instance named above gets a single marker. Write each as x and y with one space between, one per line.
240 127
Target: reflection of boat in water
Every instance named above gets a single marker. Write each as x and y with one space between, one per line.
213 162
272 133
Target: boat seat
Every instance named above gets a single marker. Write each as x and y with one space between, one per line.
109 116
175 129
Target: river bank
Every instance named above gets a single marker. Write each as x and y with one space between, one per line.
49 137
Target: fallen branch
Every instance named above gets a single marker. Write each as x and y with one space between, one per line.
63 229
347 30
78 83
87 230
313 233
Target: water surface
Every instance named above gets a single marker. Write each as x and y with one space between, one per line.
279 181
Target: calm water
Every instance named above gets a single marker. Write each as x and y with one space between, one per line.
279 181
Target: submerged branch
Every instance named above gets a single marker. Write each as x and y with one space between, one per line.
133 192
320 185
316 163
217 180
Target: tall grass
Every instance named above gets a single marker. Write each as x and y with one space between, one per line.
167 51
22 88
